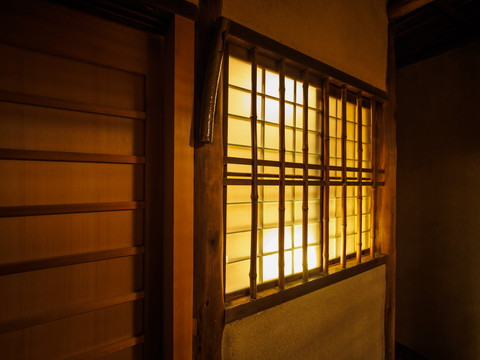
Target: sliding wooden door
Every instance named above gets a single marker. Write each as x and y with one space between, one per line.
79 141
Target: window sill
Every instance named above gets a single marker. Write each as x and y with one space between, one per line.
244 306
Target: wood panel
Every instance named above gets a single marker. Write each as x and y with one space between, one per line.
30 72
385 203
36 237
62 339
43 183
39 291
179 191
37 100
69 33
75 235
39 128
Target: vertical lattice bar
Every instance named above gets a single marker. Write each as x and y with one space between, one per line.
343 255
373 122
281 202
360 180
225 154
305 180
254 192
326 173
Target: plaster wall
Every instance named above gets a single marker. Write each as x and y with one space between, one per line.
341 321
438 187
348 35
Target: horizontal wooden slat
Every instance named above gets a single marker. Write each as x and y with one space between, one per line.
109 349
11 211
75 335
36 100
69 156
67 311
245 161
47 129
296 182
27 238
66 260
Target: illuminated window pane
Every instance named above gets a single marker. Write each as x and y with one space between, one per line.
240 73
239 103
237 277
270 267
238 246
239 132
289 89
289 115
312 97
272 111
238 217
272 84
238 201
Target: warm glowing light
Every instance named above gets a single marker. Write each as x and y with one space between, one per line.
239 208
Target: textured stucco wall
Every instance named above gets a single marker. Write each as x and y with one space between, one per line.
349 35
343 321
438 187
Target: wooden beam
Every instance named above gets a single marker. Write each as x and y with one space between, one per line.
40 155
67 311
401 8
67 260
48 102
385 201
31 210
178 191
209 242
254 192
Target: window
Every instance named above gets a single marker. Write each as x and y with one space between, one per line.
299 175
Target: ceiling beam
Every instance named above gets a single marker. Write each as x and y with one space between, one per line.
401 8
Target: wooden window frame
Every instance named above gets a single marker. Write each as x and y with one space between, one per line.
209 304
242 43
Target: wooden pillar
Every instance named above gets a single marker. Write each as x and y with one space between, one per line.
385 202
178 191
208 205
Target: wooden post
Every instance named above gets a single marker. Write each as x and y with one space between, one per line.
281 200
305 180
360 178
178 191
373 120
385 202
343 255
208 308
326 174
254 193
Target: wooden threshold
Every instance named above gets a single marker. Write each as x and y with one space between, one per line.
57 261
241 308
31 210
109 349
48 102
40 155
67 311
